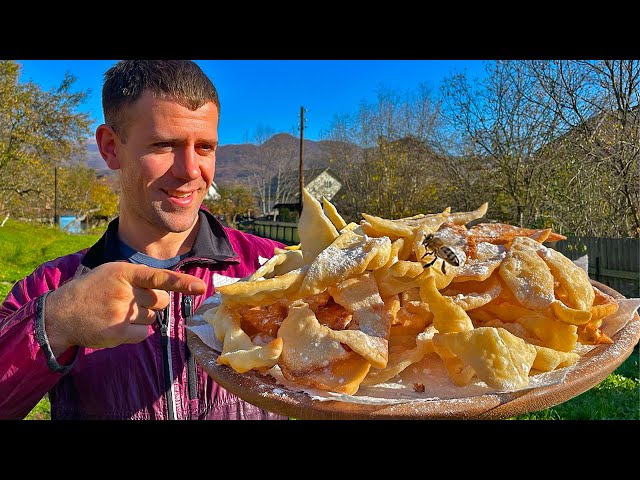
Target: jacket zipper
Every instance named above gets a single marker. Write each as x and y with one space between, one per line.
164 320
187 311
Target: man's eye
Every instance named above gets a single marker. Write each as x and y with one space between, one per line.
207 148
162 145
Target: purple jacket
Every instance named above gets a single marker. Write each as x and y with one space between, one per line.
154 379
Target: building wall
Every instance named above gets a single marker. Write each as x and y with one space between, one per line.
212 193
323 185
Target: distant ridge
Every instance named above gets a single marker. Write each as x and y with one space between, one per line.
231 159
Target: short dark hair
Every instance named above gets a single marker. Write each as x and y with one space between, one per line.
180 80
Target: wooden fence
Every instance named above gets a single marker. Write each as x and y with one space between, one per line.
285 232
612 261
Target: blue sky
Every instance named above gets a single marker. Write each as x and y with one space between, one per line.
267 94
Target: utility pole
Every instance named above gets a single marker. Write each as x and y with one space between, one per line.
55 196
301 156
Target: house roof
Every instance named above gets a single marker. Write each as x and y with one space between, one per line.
212 192
290 180
309 175
592 123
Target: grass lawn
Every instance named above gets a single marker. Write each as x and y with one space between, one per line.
617 397
24 246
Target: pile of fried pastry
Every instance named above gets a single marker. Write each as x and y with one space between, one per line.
356 304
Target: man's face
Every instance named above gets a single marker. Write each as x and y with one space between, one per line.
166 164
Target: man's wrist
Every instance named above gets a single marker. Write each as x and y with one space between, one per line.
51 344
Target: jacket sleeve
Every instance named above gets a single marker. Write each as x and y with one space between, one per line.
28 368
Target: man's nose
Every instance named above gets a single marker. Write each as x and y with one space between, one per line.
186 164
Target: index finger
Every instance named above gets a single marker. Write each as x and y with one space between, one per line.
149 277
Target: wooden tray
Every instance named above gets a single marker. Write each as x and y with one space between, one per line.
262 390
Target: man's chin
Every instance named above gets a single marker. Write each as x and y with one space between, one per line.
178 222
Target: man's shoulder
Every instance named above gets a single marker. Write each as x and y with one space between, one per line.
46 276
258 244
242 236
67 263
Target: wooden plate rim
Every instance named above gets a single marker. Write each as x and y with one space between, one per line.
262 390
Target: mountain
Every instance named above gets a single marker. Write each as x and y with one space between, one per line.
94 160
231 160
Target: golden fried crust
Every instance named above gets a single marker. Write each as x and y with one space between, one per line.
572 278
238 350
317 356
503 233
335 263
263 292
590 333
548 359
262 319
447 316
603 305
527 275
498 357
315 230
356 304
307 345
342 376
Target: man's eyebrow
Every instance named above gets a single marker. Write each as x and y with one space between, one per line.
210 142
157 137
160 138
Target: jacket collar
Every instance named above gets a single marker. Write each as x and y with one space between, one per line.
212 243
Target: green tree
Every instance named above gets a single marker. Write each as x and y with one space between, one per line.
106 200
38 130
82 192
235 199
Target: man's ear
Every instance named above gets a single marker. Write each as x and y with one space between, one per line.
106 140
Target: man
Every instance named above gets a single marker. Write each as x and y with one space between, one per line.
103 330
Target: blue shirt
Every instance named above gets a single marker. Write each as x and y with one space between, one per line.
135 256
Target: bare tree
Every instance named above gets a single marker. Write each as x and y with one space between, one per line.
598 103
383 155
559 139
507 130
269 169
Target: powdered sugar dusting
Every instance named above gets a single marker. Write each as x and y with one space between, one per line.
488 258
583 263
451 238
335 261
486 250
336 264
431 372
477 269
